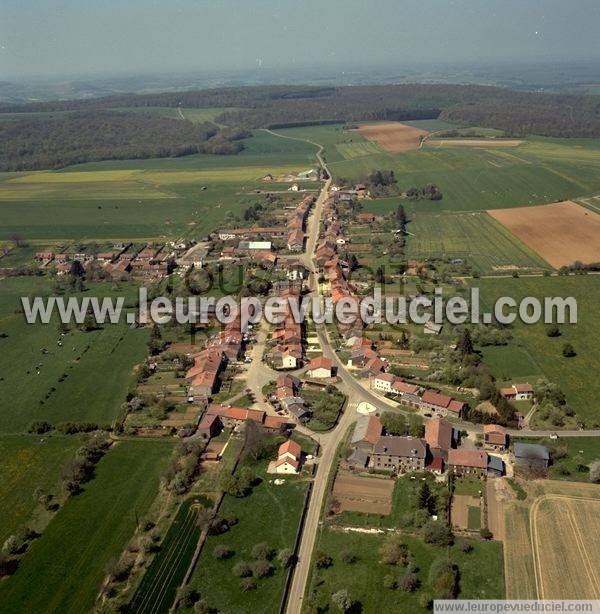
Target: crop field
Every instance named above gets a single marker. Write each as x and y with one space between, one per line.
28 462
474 237
474 143
84 379
561 233
552 542
363 494
158 587
481 575
575 376
65 567
270 514
466 512
393 136
473 178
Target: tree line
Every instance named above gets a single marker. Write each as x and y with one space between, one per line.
33 144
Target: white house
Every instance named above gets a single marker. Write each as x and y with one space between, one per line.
320 367
383 382
288 458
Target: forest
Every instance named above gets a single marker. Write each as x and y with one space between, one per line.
516 112
87 136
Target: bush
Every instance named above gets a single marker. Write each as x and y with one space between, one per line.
408 582
323 560
222 552
466 547
568 351
262 568
343 600
242 570
39 427
347 556
394 552
262 551
247 584
187 597
285 557
443 577
486 533
436 532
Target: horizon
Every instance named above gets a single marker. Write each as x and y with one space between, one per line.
76 39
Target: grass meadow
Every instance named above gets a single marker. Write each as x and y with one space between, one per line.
481 571
63 570
28 462
85 379
270 514
532 353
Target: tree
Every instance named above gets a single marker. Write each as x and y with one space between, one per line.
242 569
323 560
443 577
262 551
187 596
486 533
464 344
408 582
285 557
39 427
394 552
261 568
222 552
436 532
247 584
568 351
553 331
425 499
342 600
394 424
595 472
416 427
347 556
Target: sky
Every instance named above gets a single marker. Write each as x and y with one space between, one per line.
91 37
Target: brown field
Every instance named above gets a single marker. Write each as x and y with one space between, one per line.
460 510
362 494
393 136
552 542
561 233
475 143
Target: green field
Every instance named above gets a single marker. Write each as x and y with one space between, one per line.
481 572
64 568
145 198
28 462
474 237
473 179
270 514
532 352
95 368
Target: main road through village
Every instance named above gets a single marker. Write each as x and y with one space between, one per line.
260 374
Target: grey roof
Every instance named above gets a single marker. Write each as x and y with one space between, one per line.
495 463
360 430
407 447
359 458
531 451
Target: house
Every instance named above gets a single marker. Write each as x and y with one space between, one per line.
439 434
383 382
399 454
210 426
494 437
468 462
531 457
435 465
233 416
287 358
295 240
367 432
375 365
320 367
289 457
294 187
518 392
277 424
402 388
44 256
366 218
441 403
295 406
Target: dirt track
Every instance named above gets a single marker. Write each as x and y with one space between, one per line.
393 136
560 233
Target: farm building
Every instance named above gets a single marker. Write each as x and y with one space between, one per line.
518 392
399 454
209 427
366 432
439 434
495 466
468 462
441 403
531 457
494 437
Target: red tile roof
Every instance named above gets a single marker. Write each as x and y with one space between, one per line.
438 433
468 458
291 447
